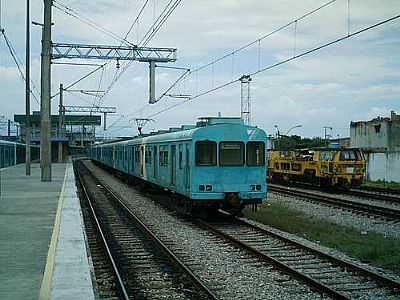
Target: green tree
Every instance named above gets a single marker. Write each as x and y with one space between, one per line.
297 142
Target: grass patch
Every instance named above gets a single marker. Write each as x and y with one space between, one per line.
382 184
372 248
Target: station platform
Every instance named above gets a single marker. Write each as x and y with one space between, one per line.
42 243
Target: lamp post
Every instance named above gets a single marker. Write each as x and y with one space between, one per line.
277 136
326 134
291 128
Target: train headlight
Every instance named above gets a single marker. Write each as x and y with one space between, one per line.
252 187
201 187
208 188
258 187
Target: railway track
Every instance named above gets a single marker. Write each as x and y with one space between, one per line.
374 194
358 207
229 271
287 266
336 277
143 266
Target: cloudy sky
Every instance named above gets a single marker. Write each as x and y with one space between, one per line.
356 79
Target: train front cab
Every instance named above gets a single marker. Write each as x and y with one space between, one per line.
229 174
349 168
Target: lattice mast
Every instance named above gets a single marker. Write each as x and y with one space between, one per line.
245 113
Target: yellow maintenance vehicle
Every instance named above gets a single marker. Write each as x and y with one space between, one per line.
344 167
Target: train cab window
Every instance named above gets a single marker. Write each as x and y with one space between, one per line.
206 153
231 153
255 154
350 155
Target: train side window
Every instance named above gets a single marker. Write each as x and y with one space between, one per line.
277 166
163 158
255 154
148 160
231 154
137 155
206 153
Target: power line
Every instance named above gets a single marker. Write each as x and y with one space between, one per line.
71 12
263 37
137 18
166 12
295 57
80 79
159 22
17 62
187 74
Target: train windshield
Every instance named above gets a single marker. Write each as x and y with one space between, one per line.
255 154
231 153
326 155
350 155
206 153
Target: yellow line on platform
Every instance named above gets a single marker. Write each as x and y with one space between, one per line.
48 272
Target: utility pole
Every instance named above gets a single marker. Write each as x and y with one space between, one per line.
245 99
60 125
152 82
28 93
45 130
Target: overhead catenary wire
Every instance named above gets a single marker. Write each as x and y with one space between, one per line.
156 26
159 22
232 54
79 80
17 62
71 12
325 45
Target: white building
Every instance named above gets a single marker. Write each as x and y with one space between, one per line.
379 138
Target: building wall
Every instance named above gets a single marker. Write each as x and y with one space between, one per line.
383 166
380 140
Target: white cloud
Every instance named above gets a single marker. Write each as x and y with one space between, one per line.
332 87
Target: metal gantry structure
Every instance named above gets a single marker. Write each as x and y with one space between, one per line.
107 52
92 109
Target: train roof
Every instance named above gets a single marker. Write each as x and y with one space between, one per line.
14 143
318 149
188 132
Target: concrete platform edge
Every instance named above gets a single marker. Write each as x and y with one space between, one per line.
44 293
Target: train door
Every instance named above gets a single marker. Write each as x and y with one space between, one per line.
141 160
132 163
155 162
187 167
173 164
1 156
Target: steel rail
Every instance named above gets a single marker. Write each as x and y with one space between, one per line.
363 207
347 264
378 195
196 280
286 268
380 190
121 286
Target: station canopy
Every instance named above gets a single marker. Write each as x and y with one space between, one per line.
68 119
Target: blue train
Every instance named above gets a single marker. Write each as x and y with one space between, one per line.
12 153
219 163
